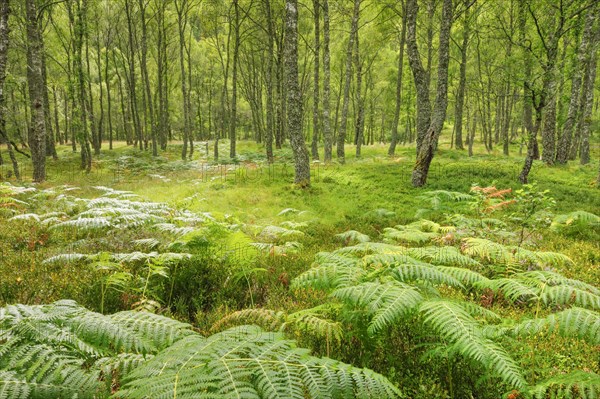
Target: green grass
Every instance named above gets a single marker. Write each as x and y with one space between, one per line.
341 197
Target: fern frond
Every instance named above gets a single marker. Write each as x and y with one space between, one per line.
380 260
424 272
352 236
329 276
276 233
577 384
573 322
407 235
486 250
160 331
386 303
247 362
467 277
453 322
367 248
513 289
267 319
446 255
567 295
84 224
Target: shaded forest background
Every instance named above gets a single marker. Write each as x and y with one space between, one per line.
520 75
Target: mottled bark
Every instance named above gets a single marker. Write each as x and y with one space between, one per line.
182 8
341 154
327 134
236 47
35 80
293 96
270 129
583 59
396 121
584 152
137 128
359 126
4 42
314 148
462 82
148 109
420 75
426 151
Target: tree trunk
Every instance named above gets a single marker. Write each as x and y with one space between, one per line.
4 41
137 128
293 95
360 105
108 98
583 59
326 85
50 145
460 95
269 80
584 155
394 138
344 122
419 73
35 80
315 133
236 48
429 141
182 13
149 109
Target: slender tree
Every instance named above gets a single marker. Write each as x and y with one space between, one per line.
394 139
4 42
35 80
293 96
460 94
425 151
315 133
583 59
341 154
327 136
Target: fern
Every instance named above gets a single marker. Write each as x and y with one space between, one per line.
577 223
445 255
64 351
386 303
573 322
455 323
578 384
407 235
277 233
567 295
487 250
367 248
424 272
247 362
352 236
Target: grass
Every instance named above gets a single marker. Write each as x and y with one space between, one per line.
341 197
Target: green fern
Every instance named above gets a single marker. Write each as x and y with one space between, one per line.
352 236
64 351
445 255
247 362
487 250
387 303
578 384
455 324
573 322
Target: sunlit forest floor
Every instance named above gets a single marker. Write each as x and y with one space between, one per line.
368 195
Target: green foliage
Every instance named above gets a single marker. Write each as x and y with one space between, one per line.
577 224
63 350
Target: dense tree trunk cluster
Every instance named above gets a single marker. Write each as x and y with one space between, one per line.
518 73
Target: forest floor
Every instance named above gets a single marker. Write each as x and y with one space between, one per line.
367 195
